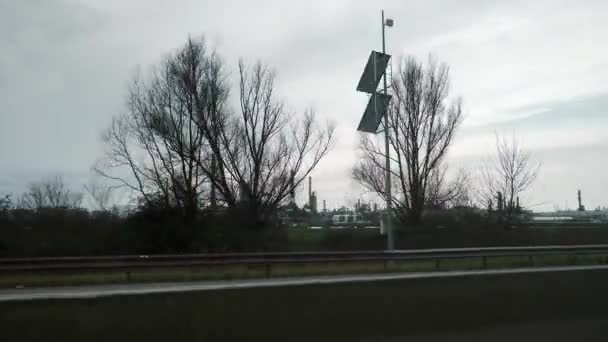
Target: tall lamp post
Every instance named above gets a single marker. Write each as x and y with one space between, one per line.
390 240
377 106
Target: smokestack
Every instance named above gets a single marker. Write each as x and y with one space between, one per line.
313 202
324 207
309 187
581 207
312 197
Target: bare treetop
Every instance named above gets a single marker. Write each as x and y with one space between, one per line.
507 174
182 144
158 139
265 151
50 193
423 122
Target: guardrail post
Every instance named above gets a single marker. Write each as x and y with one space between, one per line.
437 264
267 269
484 262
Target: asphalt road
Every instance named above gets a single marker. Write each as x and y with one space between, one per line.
95 291
587 330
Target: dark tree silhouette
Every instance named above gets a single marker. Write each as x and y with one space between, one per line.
158 139
184 147
511 171
261 153
444 192
50 193
100 194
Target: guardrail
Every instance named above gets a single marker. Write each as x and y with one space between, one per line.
136 262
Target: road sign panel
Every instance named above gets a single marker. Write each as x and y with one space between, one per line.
374 112
374 69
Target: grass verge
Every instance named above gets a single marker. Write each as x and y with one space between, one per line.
227 272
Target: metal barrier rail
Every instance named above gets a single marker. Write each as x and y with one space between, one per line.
133 262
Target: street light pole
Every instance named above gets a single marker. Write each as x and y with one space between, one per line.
390 241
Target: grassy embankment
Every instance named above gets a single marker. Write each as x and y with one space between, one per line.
283 270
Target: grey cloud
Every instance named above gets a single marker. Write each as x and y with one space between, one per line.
65 64
580 112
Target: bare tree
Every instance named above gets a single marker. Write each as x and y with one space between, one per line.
50 193
265 151
100 194
182 144
464 196
158 139
444 192
422 125
509 173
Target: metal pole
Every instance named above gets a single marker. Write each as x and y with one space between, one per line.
390 241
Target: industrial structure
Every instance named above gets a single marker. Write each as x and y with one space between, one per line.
581 207
312 197
580 215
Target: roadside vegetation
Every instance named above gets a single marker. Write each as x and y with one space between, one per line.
204 160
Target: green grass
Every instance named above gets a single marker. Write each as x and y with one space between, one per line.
225 272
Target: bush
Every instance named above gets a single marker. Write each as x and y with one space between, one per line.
234 230
75 232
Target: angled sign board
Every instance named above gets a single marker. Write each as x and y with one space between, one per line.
374 112
374 69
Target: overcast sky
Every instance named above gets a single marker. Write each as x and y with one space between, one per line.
536 68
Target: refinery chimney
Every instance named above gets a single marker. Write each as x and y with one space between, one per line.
581 207
309 187
312 197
